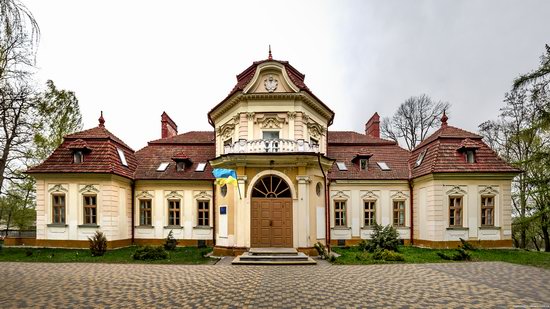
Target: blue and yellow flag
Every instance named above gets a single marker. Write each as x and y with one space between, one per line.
225 176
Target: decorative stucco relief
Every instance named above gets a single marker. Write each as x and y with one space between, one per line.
271 121
488 190
456 190
89 189
58 188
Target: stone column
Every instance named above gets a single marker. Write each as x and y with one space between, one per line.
242 214
302 221
291 116
250 125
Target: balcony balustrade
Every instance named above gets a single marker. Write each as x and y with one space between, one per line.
270 145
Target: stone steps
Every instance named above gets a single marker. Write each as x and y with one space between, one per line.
273 256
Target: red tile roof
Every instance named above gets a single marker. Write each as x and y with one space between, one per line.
152 156
350 137
344 146
297 78
443 154
102 157
191 137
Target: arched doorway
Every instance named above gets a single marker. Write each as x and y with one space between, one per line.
271 213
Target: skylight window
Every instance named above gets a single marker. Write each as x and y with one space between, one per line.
383 166
162 167
341 166
420 158
200 167
122 157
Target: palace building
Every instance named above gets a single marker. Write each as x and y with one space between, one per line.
298 182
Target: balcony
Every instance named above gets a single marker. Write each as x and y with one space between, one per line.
270 145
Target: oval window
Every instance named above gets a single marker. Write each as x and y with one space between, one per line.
318 189
223 190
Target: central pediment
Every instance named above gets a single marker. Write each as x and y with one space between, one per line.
270 77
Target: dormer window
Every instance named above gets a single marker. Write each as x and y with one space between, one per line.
182 161
362 159
383 166
122 157
363 163
470 156
78 156
420 158
163 166
341 166
468 147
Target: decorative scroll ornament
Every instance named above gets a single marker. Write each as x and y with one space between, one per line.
58 188
202 195
488 190
399 195
369 195
271 121
456 190
226 131
340 195
174 195
270 83
89 189
144 195
315 130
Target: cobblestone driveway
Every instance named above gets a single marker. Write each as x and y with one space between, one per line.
469 285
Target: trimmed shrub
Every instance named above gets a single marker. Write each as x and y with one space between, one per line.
150 253
171 242
98 244
382 237
460 255
387 255
467 245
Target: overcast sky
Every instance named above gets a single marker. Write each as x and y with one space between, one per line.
136 59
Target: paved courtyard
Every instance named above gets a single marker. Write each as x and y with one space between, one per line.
471 285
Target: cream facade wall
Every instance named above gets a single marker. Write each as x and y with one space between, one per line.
113 206
355 193
188 193
431 208
305 202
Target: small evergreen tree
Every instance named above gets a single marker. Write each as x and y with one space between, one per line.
382 237
171 242
98 244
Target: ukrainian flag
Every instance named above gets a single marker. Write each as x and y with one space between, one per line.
225 176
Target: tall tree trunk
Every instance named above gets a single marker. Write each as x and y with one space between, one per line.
544 228
523 211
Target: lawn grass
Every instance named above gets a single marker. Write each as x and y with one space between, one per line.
181 255
354 256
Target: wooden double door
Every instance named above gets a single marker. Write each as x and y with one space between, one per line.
271 222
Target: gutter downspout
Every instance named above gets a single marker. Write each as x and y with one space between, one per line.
327 212
214 215
133 186
412 213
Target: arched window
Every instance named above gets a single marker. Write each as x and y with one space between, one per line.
271 186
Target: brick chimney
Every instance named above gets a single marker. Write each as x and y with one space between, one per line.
168 126
372 127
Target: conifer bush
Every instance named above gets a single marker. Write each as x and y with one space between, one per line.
382 237
150 253
171 242
98 244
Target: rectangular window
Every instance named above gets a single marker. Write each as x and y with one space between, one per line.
173 212
455 211
470 156
370 216
58 207
487 210
399 213
270 134
340 213
145 212
90 209
203 214
363 164
78 157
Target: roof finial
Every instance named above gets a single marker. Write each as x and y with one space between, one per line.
101 120
444 119
270 57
